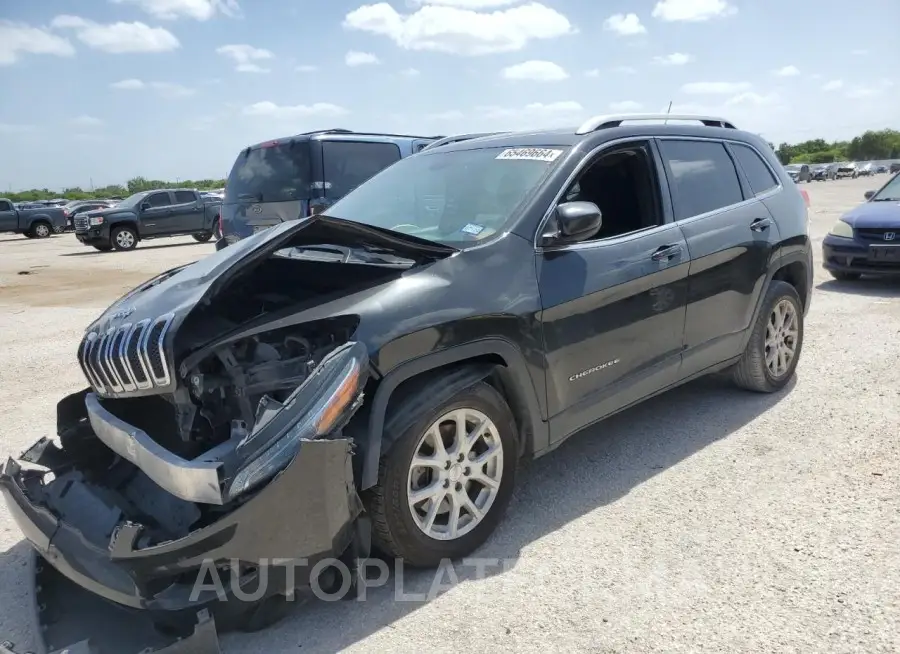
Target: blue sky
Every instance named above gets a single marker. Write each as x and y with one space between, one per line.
105 90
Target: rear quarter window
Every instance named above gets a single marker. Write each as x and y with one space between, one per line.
347 164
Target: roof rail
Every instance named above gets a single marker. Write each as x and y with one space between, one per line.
614 120
458 138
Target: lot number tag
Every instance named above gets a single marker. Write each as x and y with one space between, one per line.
530 154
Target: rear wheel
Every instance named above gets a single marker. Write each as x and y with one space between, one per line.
41 229
773 351
202 238
124 238
842 276
444 485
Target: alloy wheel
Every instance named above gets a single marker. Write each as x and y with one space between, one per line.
782 332
455 474
41 230
125 239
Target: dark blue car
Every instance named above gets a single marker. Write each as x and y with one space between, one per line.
866 240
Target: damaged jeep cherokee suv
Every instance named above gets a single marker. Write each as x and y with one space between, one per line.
391 361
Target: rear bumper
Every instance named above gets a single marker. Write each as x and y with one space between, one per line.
852 256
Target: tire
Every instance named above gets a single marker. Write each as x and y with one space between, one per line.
395 532
104 247
753 372
842 276
41 229
124 238
202 238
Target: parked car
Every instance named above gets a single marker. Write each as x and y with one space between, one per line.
866 240
866 170
297 176
149 215
895 167
798 172
846 169
81 206
820 174
881 169
38 222
380 368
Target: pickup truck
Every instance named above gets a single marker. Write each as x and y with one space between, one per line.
147 215
33 223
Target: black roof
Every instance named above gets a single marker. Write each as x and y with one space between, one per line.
336 131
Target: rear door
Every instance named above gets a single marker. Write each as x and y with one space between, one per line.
188 212
8 217
157 218
731 237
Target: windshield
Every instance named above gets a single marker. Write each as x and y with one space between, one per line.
133 200
272 173
455 198
889 192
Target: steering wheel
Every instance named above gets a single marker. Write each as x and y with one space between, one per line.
397 227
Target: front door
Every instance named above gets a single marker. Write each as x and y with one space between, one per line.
9 219
731 237
157 215
614 305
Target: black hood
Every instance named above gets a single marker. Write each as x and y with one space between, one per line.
176 291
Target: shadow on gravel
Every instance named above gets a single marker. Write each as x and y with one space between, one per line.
17 616
93 252
866 286
589 471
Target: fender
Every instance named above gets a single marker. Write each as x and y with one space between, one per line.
518 378
118 219
801 256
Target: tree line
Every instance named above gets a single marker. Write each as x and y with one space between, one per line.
134 185
869 146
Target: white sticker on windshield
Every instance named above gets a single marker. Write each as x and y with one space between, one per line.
530 154
473 229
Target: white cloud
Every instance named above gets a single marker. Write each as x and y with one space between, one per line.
306 68
537 115
692 10
354 58
410 72
593 72
86 121
196 9
833 85
467 4
244 57
715 88
10 128
625 70
118 38
165 89
626 106
624 25
455 30
674 59
752 98
788 71
860 92
268 109
535 71
18 38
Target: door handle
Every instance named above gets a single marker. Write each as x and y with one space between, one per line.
666 253
761 224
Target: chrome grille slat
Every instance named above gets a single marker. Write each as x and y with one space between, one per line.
128 357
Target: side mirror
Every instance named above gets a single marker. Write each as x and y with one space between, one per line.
145 206
869 195
577 221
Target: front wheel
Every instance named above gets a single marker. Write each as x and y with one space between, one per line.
444 485
202 238
124 238
773 351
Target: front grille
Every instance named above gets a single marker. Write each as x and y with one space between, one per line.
127 358
81 223
877 234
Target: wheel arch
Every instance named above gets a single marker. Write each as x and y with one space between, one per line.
495 361
131 223
793 268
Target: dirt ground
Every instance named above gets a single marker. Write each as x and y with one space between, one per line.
708 519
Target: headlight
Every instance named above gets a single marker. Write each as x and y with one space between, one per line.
842 229
320 405
95 220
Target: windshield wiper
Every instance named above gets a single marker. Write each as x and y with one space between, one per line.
366 255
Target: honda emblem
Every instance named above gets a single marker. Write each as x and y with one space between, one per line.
890 236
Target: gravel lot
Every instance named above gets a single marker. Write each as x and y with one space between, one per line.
709 519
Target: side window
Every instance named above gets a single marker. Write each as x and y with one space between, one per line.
348 164
758 173
624 186
184 197
159 200
5 206
703 177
